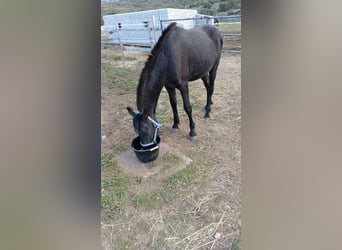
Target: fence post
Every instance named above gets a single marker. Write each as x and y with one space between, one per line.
154 30
149 30
161 23
119 39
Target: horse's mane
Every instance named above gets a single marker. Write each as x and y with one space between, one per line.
150 63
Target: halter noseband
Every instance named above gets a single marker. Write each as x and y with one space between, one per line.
156 126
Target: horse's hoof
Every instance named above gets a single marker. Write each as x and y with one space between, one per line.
175 126
192 134
206 115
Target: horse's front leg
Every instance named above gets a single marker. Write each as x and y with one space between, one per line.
173 102
184 89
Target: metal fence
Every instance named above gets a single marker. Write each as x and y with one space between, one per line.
143 36
216 20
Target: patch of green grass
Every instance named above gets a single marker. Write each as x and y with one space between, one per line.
125 79
126 75
171 188
118 190
113 194
179 180
236 244
108 162
189 153
115 186
159 241
169 161
106 70
124 58
142 200
118 148
151 164
117 57
229 27
123 244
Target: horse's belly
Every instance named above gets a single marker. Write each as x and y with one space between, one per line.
200 66
195 77
197 73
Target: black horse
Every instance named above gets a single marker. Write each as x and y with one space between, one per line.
178 57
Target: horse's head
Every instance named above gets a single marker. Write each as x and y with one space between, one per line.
145 127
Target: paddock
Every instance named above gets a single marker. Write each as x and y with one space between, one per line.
191 196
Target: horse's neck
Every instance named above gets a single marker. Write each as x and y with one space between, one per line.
152 91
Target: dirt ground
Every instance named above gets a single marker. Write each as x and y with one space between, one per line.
206 213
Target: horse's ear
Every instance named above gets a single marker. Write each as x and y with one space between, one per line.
131 112
145 115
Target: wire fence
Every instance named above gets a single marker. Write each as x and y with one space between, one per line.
143 36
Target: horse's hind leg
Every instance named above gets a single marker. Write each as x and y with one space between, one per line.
210 89
207 108
173 102
184 89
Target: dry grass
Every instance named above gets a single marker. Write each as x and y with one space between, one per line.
195 208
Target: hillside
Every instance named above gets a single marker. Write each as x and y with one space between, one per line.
208 7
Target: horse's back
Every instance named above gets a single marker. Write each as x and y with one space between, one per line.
213 33
195 51
203 36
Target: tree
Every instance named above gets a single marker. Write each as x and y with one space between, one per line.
229 5
223 7
206 5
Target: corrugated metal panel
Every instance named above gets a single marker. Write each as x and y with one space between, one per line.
179 13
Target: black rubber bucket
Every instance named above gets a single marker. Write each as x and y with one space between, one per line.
145 154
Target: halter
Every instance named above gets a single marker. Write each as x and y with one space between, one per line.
156 126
